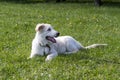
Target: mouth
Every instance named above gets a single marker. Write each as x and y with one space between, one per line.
52 39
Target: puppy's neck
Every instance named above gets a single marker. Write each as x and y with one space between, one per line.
40 39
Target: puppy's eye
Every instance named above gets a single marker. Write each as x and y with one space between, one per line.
49 29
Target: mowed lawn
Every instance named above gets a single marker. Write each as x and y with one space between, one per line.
85 22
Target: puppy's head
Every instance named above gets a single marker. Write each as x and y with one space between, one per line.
47 32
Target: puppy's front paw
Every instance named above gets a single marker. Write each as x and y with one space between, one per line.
48 59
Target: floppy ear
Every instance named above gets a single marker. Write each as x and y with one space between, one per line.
39 27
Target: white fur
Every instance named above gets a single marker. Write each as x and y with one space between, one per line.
63 45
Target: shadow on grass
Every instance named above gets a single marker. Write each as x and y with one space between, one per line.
33 2
76 57
84 55
104 3
21 1
112 4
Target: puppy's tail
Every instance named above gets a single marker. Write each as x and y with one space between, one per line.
95 45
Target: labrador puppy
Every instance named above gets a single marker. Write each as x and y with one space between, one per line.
47 42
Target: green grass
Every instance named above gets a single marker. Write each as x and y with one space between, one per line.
86 23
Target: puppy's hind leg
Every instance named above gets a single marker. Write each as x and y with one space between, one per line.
71 52
74 48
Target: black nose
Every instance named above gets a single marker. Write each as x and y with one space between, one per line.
57 34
